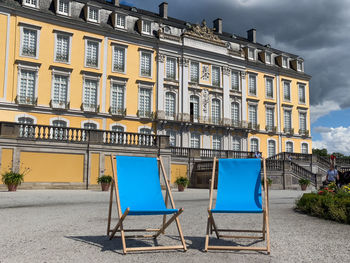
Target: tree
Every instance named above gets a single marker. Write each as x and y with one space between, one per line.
320 152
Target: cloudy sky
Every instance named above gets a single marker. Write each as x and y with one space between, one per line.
317 30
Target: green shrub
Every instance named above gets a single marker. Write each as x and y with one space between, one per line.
303 181
11 177
182 180
328 205
104 179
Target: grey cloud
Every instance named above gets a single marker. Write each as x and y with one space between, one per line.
321 129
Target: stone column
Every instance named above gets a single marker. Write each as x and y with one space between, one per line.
166 157
184 86
226 95
160 85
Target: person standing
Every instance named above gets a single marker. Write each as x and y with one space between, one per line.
332 175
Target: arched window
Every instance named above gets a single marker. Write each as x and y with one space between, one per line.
217 142
215 111
170 105
90 126
194 108
254 145
26 130
195 140
289 147
235 114
145 131
172 137
236 144
59 133
145 140
304 148
271 151
116 137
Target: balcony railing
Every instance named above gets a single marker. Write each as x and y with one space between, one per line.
253 126
59 104
286 156
90 107
210 153
289 131
303 132
270 128
145 114
114 111
26 100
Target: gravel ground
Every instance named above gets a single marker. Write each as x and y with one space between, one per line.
70 226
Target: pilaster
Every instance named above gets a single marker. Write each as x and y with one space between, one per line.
185 96
226 95
160 84
244 95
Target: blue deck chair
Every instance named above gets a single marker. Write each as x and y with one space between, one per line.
238 191
138 192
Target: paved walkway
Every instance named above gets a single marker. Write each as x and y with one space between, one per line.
70 226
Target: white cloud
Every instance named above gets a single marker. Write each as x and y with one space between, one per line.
322 109
335 140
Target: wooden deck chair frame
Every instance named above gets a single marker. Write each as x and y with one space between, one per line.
157 231
211 225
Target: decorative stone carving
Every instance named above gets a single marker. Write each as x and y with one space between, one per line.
161 58
226 71
205 99
184 62
243 74
203 32
205 72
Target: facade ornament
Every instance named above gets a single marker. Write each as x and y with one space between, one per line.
243 74
205 100
226 71
203 32
160 58
205 72
184 62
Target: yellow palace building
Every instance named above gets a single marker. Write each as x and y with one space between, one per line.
107 66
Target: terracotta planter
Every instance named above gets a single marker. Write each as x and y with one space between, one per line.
181 188
105 186
303 187
12 187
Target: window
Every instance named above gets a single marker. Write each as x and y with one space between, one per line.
62 48
251 53
270 118
145 131
254 145
252 85
301 92
120 20
170 105
27 84
234 81
253 115
146 64
269 87
268 58
90 95
144 102
284 62
92 54
289 147
236 144
172 137
302 122
116 137
195 140
119 59
271 151
304 148
26 130
171 68
216 142
63 7
90 126
215 76
59 133
235 114
146 27
286 90
287 120
300 65
93 14
60 91
194 72
31 3
215 111
117 98
29 42
194 108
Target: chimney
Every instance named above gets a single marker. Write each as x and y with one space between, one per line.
217 23
251 35
163 10
116 2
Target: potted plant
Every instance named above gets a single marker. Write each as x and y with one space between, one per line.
304 183
268 181
12 180
105 181
181 182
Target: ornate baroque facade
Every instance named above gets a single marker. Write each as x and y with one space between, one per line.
104 65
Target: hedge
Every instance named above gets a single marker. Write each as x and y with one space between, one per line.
332 206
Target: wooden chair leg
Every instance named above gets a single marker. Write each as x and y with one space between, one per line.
110 208
207 234
213 224
168 223
120 224
264 225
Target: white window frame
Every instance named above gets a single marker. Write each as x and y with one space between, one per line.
220 81
256 105
249 50
285 146
98 41
304 87
235 72
220 110
303 112
199 107
301 147
90 121
140 55
115 45
21 67
116 20
150 27
24 3
166 66
220 139
26 115
284 58
59 119
176 103
150 88
58 7
98 14
118 82
268 54
290 91
175 133
273 140
144 127
62 73
250 143
273 114
301 64
273 88
239 111
199 139
291 118
69 35
94 78
256 84
34 28
190 69
239 139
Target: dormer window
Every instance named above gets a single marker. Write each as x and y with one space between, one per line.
31 3
120 20
285 62
251 53
300 65
146 27
268 58
93 14
62 7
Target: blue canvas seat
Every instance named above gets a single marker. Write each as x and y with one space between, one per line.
238 191
138 192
